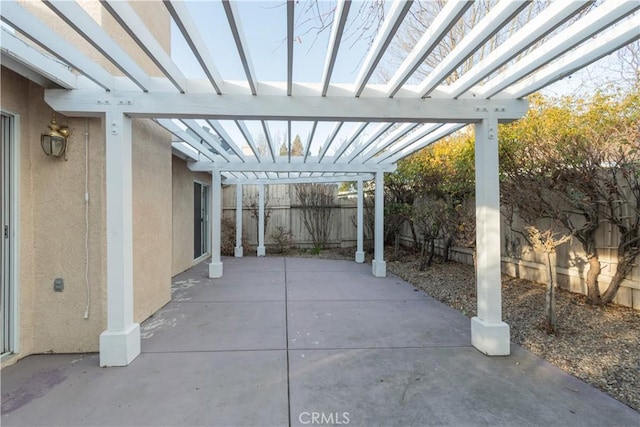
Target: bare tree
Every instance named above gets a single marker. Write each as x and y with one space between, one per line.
317 202
254 209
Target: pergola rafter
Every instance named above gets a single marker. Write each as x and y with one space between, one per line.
391 120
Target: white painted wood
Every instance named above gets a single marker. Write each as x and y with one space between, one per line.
390 139
363 145
249 138
215 267
260 250
205 166
231 10
120 343
76 17
403 141
189 30
436 135
378 265
360 223
137 30
312 133
446 19
498 17
304 108
23 21
290 38
339 21
350 140
189 139
329 140
220 130
489 334
32 64
238 249
546 21
196 128
392 22
595 49
267 134
591 24
302 179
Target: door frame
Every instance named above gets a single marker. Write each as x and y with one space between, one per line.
14 230
205 189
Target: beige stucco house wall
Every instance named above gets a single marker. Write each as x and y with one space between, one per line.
52 208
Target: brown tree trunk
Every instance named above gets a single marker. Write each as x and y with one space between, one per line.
396 246
432 250
593 290
625 265
550 294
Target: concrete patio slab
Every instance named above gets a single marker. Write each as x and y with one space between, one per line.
443 387
345 285
194 326
375 324
361 351
159 389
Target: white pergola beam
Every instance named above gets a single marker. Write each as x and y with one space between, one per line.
350 140
238 250
231 10
603 45
78 19
437 135
312 133
339 21
594 22
295 108
189 30
290 36
381 129
205 166
249 138
33 64
329 140
394 136
207 137
497 18
267 135
549 19
190 140
302 179
137 30
446 19
37 31
216 266
221 131
399 143
392 22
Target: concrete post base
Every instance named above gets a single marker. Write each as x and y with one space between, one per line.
119 348
215 270
238 251
261 251
379 268
359 257
491 339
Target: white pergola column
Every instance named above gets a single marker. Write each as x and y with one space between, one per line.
260 251
237 252
360 222
489 333
215 267
379 266
120 343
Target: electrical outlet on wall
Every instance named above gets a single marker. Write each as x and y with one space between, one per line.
58 284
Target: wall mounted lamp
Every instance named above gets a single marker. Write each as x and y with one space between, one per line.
54 142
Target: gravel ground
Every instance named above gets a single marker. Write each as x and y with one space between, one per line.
600 345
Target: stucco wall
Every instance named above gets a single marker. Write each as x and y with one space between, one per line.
183 180
52 225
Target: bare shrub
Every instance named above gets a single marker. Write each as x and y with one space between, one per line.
317 204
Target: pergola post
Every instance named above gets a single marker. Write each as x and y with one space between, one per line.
379 266
260 251
120 343
489 333
238 249
360 222
215 267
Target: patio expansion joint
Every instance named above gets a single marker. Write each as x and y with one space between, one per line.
286 331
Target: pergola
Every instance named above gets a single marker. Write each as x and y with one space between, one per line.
394 118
